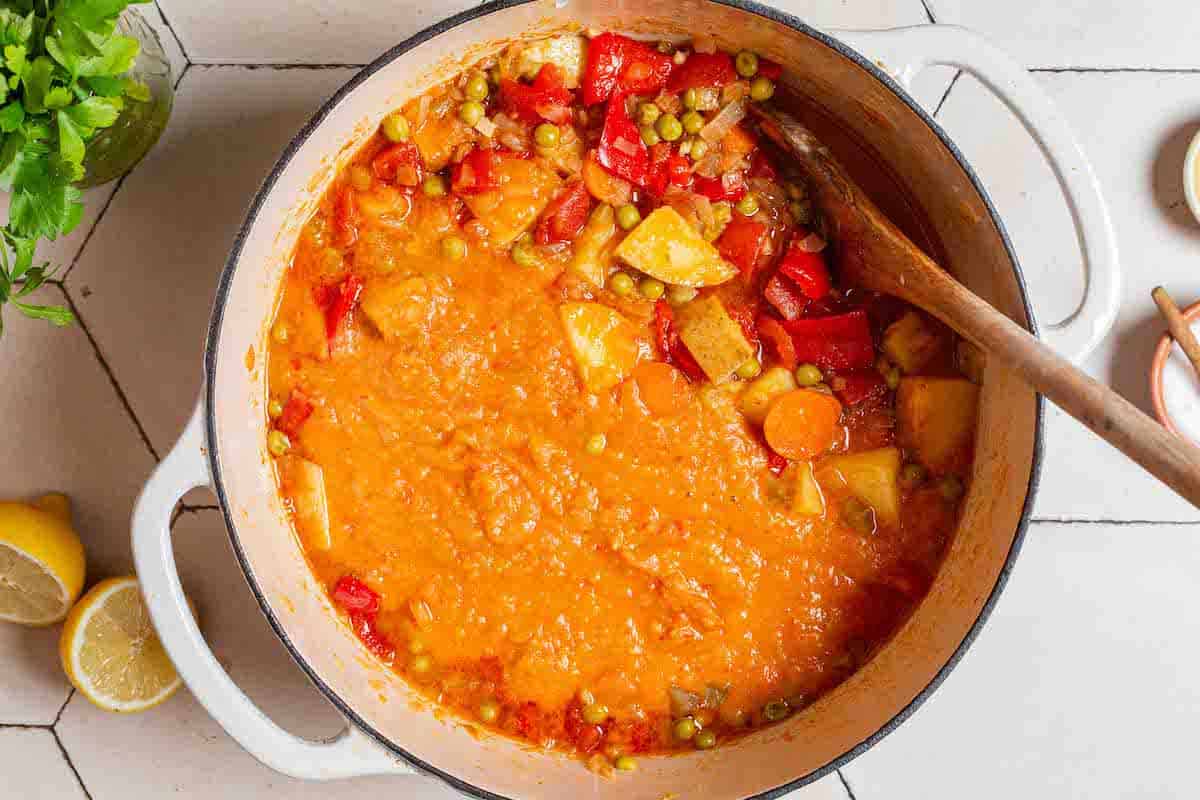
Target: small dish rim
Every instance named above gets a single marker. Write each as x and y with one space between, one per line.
1163 351
1191 177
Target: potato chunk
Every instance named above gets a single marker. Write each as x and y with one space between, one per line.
714 338
441 132
755 402
568 53
808 499
526 188
593 252
603 342
666 247
872 476
303 482
401 309
912 341
935 417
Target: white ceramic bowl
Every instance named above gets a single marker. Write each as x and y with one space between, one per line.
1191 176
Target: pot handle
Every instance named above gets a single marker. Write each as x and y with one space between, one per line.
351 753
905 52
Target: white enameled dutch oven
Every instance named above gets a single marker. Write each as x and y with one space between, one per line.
858 79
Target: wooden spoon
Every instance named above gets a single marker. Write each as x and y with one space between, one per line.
874 254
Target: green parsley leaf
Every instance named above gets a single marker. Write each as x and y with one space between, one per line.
96 112
36 80
12 116
106 86
55 315
59 97
116 56
70 140
137 90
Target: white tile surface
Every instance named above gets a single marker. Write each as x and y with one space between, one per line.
1084 33
44 774
1135 127
229 126
1082 684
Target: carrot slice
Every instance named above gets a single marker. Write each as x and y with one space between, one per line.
661 388
802 424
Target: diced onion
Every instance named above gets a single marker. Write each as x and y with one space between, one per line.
422 110
625 146
813 243
723 122
486 127
680 57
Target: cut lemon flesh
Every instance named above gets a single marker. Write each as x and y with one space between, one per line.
41 562
111 653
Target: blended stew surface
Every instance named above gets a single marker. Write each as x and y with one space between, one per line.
576 424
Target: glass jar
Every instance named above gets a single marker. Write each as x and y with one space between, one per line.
117 149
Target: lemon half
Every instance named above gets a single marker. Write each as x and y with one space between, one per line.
41 561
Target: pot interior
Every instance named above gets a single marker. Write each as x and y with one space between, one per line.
894 151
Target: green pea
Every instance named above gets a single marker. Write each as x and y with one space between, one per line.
746 64
722 212
628 216
705 740
274 409
434 186
858 515
669 127
395 127
761 89
692 121
421 664
650 135
678 295
685 729
648 113
808 375
747 206
685 146
595 713
913 475
951 488
546 135
476 88
651 288
749 369
489 711
691 98
281 332
625 763
454 248
278 443
775 710
595 446
621 284
471 112
699 148
522 252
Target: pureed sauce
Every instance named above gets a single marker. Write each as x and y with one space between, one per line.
576 426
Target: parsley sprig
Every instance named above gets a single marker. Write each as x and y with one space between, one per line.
62 79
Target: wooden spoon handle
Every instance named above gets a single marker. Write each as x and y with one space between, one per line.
1171 459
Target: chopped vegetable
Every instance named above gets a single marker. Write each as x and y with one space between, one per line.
439 136
603 185
603 342
714 338
670 347
454 248
666 247
651 288
593 251
772 332
398 308
434 186
761 89
785 297
295 413
568 53
662 389
724 123
475 173
808 499
619 65
702 71
345 217
935 418
339 302
806 270
355 597
547 98
855 388
730 185
400 163
756 401
278 443
912 342
747 206
746 244
622 151
566 215
837 342
802 424
303 482
524 188
395 127
873 477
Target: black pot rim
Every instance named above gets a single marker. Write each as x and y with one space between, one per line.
213 345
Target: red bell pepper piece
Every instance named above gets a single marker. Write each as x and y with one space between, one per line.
769 69
565 216
776 463
702 71
339 301
784 297
838 342
547 98
619 64
671 348
657 176
296 412
369 634
355 597
400 163
730 186
776 336
345 217
679 171
854 388
807 270
622 151
476 173
745 316
744 244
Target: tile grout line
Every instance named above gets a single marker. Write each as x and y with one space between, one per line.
1076 521
933 19
111 377
175 35
846 784
946 94
67 757
276 65
63 707
1121 70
